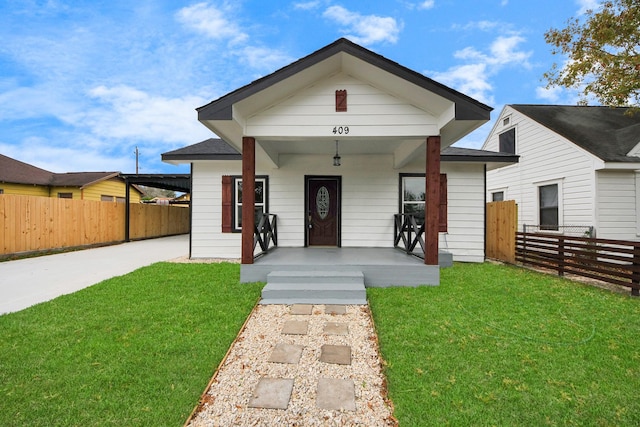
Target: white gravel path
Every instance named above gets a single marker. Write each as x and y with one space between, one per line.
225 402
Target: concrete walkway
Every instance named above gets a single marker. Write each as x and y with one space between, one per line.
30 281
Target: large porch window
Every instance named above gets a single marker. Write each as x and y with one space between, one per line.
412 197
232 201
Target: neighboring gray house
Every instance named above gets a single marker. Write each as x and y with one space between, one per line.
579 166
336 145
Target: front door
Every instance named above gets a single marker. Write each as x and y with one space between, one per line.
323 211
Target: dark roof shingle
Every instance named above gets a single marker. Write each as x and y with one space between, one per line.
606 132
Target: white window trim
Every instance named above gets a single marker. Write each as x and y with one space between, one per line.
238 203
504 191
558 182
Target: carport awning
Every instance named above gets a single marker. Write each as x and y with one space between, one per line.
175 182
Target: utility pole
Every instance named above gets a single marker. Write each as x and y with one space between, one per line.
137 155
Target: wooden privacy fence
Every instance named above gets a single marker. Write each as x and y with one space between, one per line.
611 261
502 223
30 224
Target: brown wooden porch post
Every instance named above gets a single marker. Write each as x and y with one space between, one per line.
248 197
432 201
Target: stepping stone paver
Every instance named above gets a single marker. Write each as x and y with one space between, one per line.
302 309
333 328
286 353
338 354
335 309
295 327
272 393
336 394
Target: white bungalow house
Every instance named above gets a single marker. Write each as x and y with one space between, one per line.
339 155
579 167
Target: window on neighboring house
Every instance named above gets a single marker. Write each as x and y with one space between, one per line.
121 199
412 197
1 190
507 141
232 201
65 195
548 202
104 198
498 196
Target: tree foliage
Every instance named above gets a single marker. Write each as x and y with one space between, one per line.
602 52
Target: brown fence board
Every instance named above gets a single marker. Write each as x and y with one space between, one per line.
31 223
611 261
502 223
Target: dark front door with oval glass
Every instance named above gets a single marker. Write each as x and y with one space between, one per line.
323 211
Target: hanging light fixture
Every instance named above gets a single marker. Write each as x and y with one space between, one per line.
336 158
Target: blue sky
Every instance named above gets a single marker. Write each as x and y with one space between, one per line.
82 83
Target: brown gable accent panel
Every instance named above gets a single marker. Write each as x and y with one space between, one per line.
442 227
341 100
227 204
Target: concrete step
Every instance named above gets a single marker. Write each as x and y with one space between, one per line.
314 287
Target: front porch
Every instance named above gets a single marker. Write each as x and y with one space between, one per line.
381 267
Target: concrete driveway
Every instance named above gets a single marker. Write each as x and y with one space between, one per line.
26 282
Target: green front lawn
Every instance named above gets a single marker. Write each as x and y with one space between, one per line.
492 345
136 350
499 345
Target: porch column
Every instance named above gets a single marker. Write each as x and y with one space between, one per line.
432 201
248 197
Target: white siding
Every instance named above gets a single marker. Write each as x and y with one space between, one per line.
370 111
616 206
466 209
370 198
545 157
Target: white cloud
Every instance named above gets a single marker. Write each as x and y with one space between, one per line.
309 5
262 58
211 21
587 5
551 94
364 29
474 77
128 113
427 4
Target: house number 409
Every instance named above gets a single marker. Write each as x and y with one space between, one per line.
341 130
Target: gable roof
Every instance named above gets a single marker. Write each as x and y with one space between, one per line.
221 108
606 132
458 114
17 172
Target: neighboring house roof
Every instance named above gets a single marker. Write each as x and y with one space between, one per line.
217 149
606 132
17 172
81 179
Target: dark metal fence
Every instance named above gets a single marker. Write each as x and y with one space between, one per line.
265 233
409 229
611 261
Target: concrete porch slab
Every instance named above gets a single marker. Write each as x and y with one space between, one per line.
336 394
338 354
272 393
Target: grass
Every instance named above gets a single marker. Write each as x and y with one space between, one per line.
499 345
134 350
492 345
